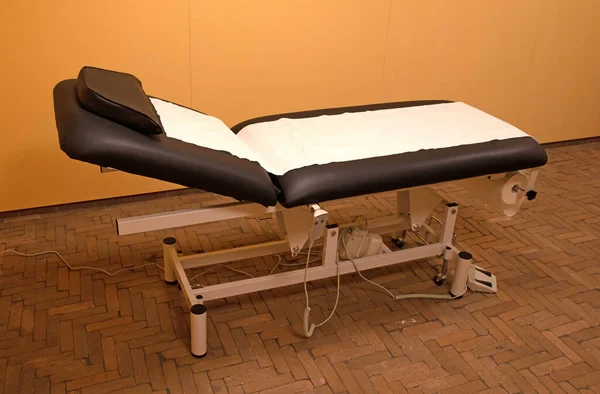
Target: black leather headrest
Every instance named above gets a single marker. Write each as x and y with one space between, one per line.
119 97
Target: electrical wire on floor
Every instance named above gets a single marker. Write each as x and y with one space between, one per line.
308 328
218 266
394 297
111 274
282 263
82 267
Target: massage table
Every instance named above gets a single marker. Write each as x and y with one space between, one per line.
288 165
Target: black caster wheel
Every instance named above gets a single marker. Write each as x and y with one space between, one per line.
399 242
439 281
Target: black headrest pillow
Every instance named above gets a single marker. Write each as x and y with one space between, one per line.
119 97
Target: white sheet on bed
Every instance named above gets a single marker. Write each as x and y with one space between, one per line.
199 129
286 144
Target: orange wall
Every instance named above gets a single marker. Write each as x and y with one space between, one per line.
532 63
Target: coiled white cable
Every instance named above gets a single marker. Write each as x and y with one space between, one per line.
310 329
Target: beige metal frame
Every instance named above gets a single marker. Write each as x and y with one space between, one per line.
175 265
307 224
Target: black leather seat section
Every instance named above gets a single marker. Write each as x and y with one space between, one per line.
318 183
326 182
93 139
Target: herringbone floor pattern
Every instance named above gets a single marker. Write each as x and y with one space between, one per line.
83 332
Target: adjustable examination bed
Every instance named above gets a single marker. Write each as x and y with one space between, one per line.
288 164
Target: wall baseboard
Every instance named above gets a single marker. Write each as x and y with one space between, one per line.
106 202
97 204
579 141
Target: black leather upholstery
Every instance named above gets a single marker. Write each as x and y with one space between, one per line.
93 139
325 182
119 97
318 183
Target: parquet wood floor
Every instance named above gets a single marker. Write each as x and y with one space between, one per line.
82 332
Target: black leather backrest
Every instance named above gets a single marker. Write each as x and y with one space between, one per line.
96 140
119 97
